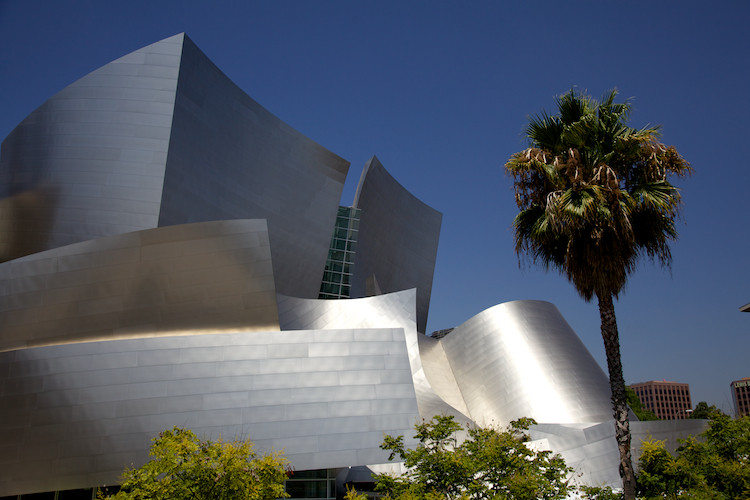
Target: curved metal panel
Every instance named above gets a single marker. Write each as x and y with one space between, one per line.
392 310
75 415
115 179
437 371
177 280
591 449
398 240
230 158
162 137
522 359
90 161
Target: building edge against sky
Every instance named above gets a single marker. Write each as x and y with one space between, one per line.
741 396
165 239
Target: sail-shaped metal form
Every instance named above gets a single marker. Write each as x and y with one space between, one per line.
163 239
398 240
162 137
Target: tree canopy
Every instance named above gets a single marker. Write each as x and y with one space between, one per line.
703 410
184 467
594 193
714 465
635 404
488 464
594 197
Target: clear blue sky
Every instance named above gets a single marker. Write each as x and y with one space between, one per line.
440 92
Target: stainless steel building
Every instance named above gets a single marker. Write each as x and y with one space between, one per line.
162 137
163 240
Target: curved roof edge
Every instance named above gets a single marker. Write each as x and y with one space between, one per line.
374 164
547 372
398 239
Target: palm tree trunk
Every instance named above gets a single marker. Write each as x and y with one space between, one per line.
617 385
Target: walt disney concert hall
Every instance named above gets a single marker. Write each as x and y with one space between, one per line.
174 254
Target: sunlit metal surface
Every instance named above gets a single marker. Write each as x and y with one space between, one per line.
439 374
202 277
91 160
74 415
161 137
138 184
398 240
522 359
393 310
591 449
230 158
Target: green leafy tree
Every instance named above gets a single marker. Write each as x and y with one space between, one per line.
594 196
488 464
702 410
715 465
599 493
635 404
185 467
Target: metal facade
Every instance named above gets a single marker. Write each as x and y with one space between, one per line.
74 415
398 240
522 359
162 137
193 278
393 310
229 158
164 238
91 160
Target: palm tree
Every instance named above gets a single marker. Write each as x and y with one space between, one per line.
594 197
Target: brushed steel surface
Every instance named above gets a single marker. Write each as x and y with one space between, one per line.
91 160
591 449
180 226
394 310
161 137
522 359
230 158
398 240
177 280
438 372
75 414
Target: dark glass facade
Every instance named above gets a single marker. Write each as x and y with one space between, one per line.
337 276
313 484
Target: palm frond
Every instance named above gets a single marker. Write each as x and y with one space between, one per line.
544 131
573 105
594 193
660 196
583 203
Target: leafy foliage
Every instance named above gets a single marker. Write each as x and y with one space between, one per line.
594 194
488 464
599 493
714 466
635 404
186 467
702 410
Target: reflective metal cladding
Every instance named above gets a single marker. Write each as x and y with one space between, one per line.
74 415
162 137
162 241
203 277
398 240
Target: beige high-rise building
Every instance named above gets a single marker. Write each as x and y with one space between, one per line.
741 396
668 400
